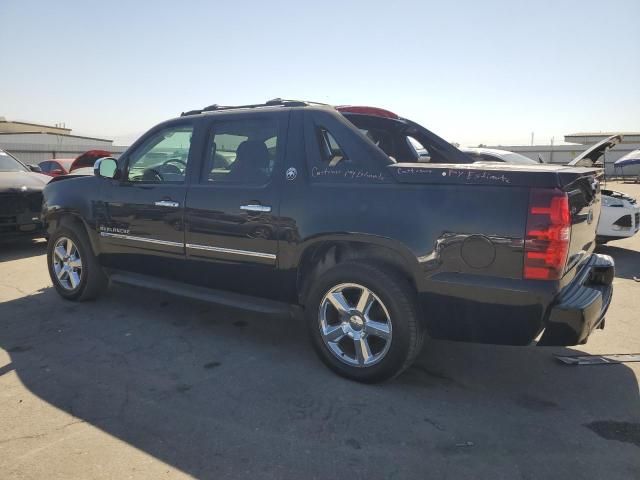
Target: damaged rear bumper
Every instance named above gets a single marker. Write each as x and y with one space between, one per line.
582 305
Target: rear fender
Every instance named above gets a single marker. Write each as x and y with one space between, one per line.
318 254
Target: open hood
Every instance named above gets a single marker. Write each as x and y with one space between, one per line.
88 158
590 156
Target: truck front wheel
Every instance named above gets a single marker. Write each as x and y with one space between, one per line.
73 268
364 321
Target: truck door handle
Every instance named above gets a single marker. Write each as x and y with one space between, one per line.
166 203
253 207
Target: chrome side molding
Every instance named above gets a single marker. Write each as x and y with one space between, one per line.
255 208
232 251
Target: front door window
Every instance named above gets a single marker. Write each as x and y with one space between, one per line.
163 157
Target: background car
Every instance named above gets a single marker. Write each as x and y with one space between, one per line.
56 166
20 197
83 164
619 217
620 213
88 158
497 155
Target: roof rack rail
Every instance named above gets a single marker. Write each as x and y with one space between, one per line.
270 103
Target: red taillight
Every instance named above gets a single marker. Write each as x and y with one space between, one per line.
548 234
374 111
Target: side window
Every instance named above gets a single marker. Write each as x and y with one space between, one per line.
421 152
55 167
242 151
337 151
163 157
330 151
45 166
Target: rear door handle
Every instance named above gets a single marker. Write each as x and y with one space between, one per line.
253 207
167 203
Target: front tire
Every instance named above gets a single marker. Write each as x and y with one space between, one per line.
364 321
73 268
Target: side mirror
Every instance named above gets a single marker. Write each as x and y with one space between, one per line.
56 172
105 167
35 168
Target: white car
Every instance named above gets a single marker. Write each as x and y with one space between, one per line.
619 217
495 155
620 213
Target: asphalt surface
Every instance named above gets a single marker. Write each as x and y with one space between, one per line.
139 384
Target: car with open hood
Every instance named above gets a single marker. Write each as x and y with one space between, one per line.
20 197
56 167
620 213
88 159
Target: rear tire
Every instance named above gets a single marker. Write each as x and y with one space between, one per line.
73 268
364 321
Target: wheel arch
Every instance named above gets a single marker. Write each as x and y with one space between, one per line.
67 219
322 253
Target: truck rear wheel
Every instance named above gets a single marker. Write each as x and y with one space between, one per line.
364 321
73 268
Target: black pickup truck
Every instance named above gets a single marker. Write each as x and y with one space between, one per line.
379 230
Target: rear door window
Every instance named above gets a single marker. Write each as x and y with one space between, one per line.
330 150
242 151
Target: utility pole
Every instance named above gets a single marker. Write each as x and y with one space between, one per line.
531 138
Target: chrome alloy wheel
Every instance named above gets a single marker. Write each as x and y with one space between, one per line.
355 325
67 264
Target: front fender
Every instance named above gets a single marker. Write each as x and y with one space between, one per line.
72 201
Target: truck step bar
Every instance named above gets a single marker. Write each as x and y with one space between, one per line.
229 299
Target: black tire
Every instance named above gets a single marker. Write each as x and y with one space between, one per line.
93 279
398 297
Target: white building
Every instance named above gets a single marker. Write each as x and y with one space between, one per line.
33 143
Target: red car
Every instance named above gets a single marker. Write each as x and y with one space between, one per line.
56 166
62 166
88 158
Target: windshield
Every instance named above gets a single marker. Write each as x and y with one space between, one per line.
10 164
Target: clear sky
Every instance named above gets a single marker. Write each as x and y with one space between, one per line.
471 71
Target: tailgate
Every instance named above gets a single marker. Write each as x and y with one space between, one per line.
583 188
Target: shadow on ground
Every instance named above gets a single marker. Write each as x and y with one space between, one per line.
220 393
18 248
627 260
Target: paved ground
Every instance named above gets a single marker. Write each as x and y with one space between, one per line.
143 385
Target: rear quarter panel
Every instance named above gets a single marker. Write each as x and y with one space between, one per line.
430 222
463 243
